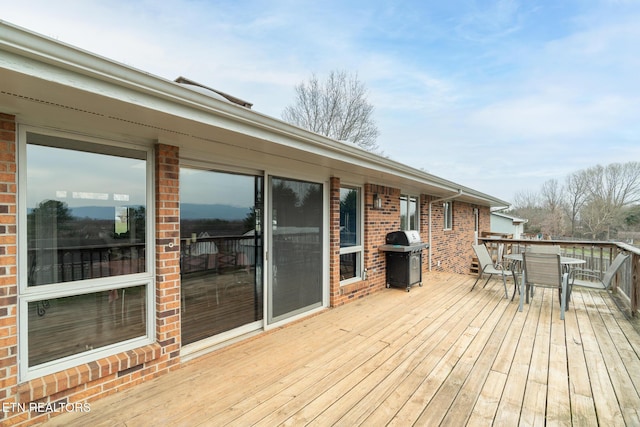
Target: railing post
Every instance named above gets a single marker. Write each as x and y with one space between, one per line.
635 283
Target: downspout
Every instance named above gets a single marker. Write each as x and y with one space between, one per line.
444 199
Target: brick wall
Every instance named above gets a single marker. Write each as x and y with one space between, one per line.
424 230
167 187
8 266
377 223
94 380
452 248
335 293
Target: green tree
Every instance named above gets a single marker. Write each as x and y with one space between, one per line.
51 218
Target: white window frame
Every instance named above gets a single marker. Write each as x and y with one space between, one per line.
407 199
447 214
27 294
359 248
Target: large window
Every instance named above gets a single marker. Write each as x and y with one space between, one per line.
84 241
409 212
350 233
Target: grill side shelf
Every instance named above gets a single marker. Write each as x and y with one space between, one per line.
401 248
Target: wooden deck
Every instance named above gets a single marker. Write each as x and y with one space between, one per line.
438 355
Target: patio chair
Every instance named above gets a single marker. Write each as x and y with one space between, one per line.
500 254
595 280
545 271
488 267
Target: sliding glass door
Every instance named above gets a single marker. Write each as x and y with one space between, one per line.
220 252
296 247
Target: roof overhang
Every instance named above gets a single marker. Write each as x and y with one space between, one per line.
56 85
514 219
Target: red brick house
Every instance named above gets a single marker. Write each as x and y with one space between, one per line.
147 221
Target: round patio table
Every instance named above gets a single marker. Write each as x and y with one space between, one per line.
564 260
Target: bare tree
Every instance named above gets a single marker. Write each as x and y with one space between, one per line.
597 217
527 204
610 189
552 200
617 183
337 108
575 189
600 199
526 199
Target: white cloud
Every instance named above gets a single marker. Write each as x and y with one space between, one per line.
551 116
486 22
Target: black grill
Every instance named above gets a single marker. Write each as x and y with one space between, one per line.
404 258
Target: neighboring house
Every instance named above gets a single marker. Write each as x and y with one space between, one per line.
507 224
145 221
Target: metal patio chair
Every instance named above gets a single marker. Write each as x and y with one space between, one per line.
487 266
545 271
597 280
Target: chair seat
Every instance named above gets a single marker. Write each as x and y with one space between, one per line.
598 282
493 270
588 284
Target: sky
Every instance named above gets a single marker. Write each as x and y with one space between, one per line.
496 95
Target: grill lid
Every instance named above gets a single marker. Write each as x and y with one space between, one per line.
403 238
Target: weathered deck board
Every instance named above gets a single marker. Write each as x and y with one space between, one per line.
582 405
625 390
438 355
533 410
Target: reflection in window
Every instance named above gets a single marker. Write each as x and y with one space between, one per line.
220 252
350 233
296 247
86 213
56 328
349 220
86 219
408 212
349 265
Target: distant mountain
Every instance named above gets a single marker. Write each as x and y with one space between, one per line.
187 211
94 212
226 212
